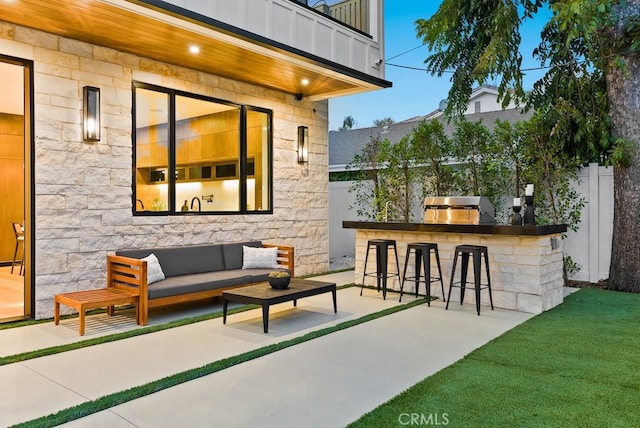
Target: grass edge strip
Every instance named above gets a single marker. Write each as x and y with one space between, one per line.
117 398
58 349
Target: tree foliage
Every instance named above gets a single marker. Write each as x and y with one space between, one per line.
510 138
401 175
475 161
587 100
470 142
371 191
477 41
384 122
388 174
552 171
348 123
433 150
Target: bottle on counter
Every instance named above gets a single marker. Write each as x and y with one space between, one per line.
185 207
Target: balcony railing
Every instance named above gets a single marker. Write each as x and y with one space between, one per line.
354 13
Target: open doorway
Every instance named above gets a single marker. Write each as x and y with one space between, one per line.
15 137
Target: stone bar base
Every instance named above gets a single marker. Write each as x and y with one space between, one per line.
526 270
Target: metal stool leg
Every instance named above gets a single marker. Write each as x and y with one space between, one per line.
404 273
395 250
426 262
464 269
364 269
417 260
453 271
477 272
439 271
486 263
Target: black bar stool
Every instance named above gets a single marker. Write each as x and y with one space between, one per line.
477 251
422 252
382 256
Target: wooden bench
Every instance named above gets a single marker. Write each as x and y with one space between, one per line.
92 299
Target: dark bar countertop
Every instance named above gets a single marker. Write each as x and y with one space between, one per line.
487 229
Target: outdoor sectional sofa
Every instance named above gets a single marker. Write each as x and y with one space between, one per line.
192 272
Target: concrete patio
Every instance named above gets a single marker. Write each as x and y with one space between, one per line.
326 382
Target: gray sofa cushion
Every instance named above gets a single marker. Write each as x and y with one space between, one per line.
233 253
198 282
187 260
195 268
256 275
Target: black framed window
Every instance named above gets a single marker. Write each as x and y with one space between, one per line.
196 154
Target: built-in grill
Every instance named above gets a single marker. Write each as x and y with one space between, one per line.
459 210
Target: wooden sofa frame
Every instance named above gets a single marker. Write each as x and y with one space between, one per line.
130 274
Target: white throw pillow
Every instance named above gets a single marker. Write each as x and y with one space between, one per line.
154 270
259 258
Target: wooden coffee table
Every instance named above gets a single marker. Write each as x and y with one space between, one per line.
262 294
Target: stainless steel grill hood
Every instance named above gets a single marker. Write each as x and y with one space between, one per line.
459 210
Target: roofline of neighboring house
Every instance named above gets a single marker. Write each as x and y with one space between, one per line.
338 168
438 112
343 167
483 88
261 40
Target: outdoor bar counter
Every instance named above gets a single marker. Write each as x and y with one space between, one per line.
525 261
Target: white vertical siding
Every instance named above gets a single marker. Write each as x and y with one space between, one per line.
294 25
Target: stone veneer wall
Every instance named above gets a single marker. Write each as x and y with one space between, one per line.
526 271
83 190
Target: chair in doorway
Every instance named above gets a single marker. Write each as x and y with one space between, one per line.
18 232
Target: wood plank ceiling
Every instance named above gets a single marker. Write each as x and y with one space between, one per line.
139 30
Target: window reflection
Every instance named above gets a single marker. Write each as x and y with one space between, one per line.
213 169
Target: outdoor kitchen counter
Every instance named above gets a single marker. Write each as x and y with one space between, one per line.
485 229
525 261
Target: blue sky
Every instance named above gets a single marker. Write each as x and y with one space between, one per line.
414 92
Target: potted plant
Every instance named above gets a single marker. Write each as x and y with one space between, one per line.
279 280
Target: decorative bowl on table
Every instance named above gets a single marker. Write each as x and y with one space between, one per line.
279 280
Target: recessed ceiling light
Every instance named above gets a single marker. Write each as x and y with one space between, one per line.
304 82
194 49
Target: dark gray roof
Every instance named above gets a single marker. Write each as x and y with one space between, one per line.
344 145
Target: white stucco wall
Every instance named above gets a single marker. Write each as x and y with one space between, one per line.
83 190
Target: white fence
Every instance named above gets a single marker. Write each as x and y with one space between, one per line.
590 247
342 242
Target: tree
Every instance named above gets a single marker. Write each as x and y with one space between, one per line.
551 169
371 190
509 152
433 150
348 123
470 142
400 175
384 122
480 39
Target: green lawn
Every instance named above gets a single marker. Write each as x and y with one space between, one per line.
577 365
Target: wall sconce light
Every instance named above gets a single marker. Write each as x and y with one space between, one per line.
91 113
303 144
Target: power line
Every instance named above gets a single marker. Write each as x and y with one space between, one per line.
451 71
405 52
547 67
